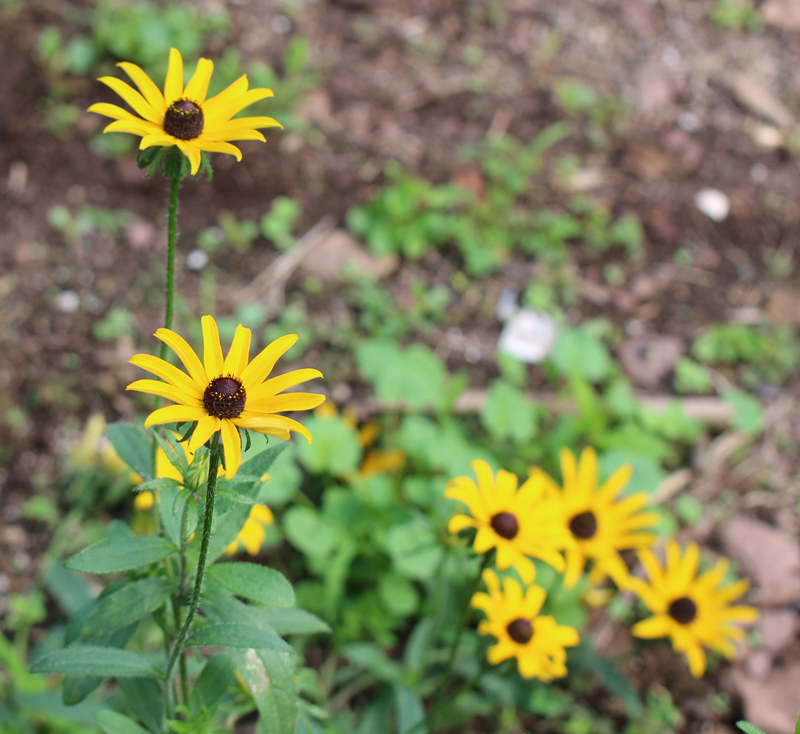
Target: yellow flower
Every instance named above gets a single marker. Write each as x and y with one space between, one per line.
252 535
183 116
518 523
600 524
226 394
694 611
537 642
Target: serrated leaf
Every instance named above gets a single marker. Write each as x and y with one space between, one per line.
251 581
128 605
233 496
215 678
133 447
120 554
113 723
231 634
93 660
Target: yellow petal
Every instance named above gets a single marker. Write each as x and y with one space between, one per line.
146 86
653 627
148 141
205 429
212 349
214 147
111 110
134 99
238 123
277 384
197 87
173 86
239 352
263 514
135 127
287 402
212 106
256 372
274 425
186 354
232 443
165 390
144 501
230 108
168 372
244 133
458 523
175 414
192 152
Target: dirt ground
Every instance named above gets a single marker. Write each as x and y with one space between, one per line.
711 107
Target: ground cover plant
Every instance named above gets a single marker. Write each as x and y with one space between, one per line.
463 537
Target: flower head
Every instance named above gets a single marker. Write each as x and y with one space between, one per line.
518 523
600 524
226 394
693 611
251 537
537 642
183 116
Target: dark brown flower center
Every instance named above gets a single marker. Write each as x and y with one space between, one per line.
583 525
683 610
505 525
520 630
225 397
184 120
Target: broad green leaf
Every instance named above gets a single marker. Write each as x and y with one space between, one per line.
155 484
369 656
647 473
113 723
508 413
215 678
134 448
260 464
335 449
577 353
120 554
749 728
291 621
748 416
233 496
397 594
307 530
251 581
129 604
410 711
145 697
231 634
93 660
414 548
269 677
71 591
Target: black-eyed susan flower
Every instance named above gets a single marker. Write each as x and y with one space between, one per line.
693 611
536 641
518 523
600 523
183 116
251 537
226 394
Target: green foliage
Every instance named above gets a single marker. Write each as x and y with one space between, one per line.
508 414
736 14
691 377
279 222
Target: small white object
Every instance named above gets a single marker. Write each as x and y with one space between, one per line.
688 121
671 56
281 24
473 354
197 259
713 203
759 172
506 304
528 335
68 301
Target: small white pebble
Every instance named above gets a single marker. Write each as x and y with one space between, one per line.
671 56
713 203
759 172
473 354
528 335
281 24
68 301
689 122
197 259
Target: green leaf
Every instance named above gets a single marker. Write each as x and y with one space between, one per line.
231 634
71 591
368 656
93 660
145 696
120 554
397 594
256 583
171 507
134 448
232 495
260 464
128 604
291 621
748 415
113 723
269 677
749 728
215 678
335 450
307 530
156 484
577 353
410 711
173 449
508 413
414 548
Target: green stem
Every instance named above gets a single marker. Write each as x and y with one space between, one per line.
172 237
180 640
462 625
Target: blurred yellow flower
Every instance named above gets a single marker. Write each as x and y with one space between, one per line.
537 642
183 116
518 523
600 524
251 537
693 611
226 394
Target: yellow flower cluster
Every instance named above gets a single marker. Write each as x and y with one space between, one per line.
568 526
